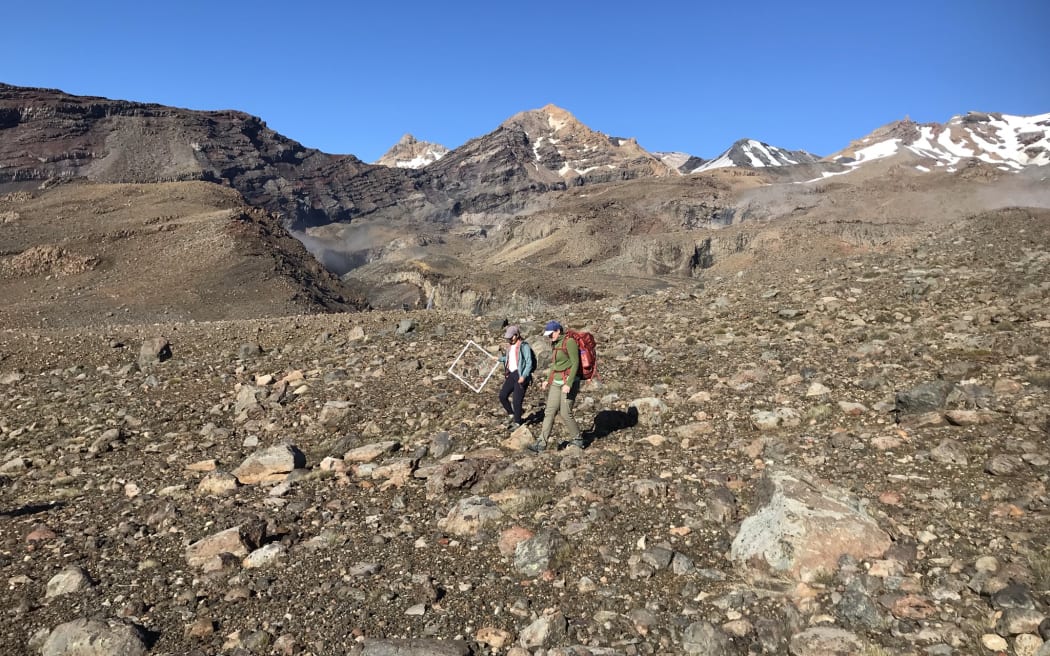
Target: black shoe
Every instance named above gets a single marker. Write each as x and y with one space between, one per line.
538 446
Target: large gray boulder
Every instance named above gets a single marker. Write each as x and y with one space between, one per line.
84 637
802 528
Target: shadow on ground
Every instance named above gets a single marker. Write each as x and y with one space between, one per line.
605 422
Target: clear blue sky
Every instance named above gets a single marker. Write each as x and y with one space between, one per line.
692 76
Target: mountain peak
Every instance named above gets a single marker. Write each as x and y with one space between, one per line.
547 118
1003 140
563 145
752 153
410 153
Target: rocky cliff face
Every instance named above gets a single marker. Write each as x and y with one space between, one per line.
47 134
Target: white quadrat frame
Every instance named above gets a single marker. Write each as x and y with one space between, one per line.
468 345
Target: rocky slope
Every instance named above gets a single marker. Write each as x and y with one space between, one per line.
93 254
838 453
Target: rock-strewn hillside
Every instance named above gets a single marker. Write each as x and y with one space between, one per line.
89 254
845 455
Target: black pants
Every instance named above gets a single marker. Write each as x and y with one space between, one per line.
513 389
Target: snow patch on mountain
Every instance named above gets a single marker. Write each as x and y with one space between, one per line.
1009 142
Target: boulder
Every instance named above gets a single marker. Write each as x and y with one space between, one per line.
802 528
84 637
270 465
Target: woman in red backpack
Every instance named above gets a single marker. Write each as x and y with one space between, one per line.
564 383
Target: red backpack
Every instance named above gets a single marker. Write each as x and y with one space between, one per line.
588 353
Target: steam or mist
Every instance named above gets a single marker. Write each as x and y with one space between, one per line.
338 257
1024 189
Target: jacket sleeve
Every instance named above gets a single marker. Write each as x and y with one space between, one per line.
528 362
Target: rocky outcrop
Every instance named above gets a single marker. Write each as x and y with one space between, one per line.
674 257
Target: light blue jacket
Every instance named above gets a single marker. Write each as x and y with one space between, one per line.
526 361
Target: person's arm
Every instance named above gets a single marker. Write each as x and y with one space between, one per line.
550 369
528 361
573 350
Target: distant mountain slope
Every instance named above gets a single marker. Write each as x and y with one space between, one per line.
512 169
1008 142
681 162
562 144
157 252
46 134
755 154
410 153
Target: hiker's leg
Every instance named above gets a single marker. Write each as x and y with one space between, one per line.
519 397
553 401
566 412
504 393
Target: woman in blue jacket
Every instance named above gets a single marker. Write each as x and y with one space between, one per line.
518 364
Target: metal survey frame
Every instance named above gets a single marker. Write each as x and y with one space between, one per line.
466 346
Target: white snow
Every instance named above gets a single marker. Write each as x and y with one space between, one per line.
536 148
414 163
721 162
876 151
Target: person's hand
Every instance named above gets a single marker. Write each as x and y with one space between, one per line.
544 385
521 380
565 389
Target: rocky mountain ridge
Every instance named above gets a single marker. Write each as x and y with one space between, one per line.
1009 142
542 192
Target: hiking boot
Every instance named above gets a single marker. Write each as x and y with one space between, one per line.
539 446
578 442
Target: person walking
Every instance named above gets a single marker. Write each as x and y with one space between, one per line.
564 383
518 364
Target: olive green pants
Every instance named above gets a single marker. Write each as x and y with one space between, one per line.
559 403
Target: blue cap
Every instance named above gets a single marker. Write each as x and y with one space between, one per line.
550 328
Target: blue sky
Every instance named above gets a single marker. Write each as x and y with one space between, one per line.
690 76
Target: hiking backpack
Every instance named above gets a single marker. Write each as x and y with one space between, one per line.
588 353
